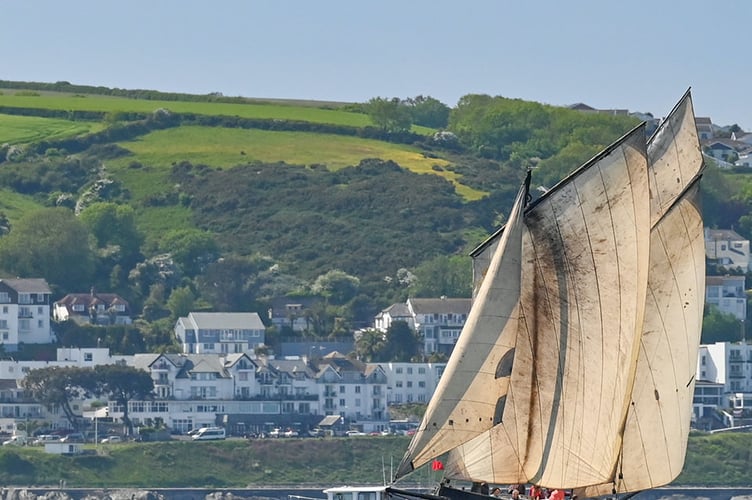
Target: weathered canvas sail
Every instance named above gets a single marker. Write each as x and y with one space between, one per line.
465 401
582 295
576 367
655 437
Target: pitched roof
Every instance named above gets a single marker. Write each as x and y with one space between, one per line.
28 285
90 299
440 306
225 320
723 235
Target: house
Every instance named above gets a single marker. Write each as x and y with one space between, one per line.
439 321
220 332
704 128
94 308
724 150
727 294
395 312
24 313
292 312
727 249
412 382
352 389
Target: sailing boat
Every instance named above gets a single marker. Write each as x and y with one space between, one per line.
575 369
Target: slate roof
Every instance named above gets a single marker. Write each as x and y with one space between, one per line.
441 306
28 285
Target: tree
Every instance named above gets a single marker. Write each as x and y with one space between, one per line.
390 115
181 302
56 386
443 276
50 243
428 112
370 345
192 249
401 342
336 286
114 225
718 326
121 384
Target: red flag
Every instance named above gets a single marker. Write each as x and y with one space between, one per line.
437 465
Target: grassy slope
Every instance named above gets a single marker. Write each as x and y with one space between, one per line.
720 460
24 129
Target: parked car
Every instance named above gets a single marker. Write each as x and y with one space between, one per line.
291 433
355 433
74 437
276 432
46 438
15 441
112 439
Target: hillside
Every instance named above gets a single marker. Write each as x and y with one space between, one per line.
272 196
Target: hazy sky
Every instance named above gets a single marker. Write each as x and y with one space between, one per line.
639 55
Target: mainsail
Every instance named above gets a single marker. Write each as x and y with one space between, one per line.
575 368
655 437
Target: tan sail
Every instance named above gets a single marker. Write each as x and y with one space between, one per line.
585 249
655 437
462 409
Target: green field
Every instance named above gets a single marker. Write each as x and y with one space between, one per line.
270 110
25 129
224 147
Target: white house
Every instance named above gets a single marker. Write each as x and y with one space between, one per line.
439 321
24 313
93 307
411 382
220 332
727 294
727 248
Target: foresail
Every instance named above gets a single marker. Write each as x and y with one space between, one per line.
463 409
655 437
584 279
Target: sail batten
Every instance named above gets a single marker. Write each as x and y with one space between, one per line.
575 367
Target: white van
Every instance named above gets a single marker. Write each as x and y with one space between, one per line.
208 433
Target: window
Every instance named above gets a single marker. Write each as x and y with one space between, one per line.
342 389
398 383
4 324
5 309
23 324
5 298
342 402
409 371
409 383
422 384
88 356
357 389
40 310
398 370
422 370
5 335
40 323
